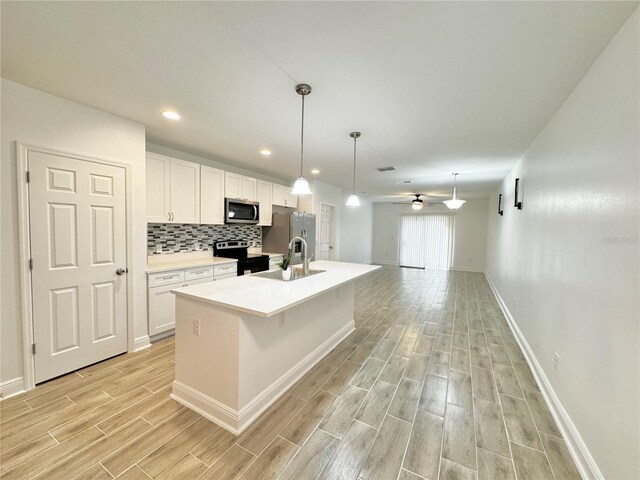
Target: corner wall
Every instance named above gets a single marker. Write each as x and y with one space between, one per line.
567 264
469 233
36 118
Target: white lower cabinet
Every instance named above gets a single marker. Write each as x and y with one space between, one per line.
162 303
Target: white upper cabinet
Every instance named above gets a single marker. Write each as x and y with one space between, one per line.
279 195
172 190
232 185
211 195
249 189
158 171
264 198
282 196
185 192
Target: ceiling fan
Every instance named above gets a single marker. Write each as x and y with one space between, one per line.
417 203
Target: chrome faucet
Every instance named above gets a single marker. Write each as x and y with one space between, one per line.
305 257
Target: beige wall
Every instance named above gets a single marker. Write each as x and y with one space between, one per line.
469 233
567 264
36 118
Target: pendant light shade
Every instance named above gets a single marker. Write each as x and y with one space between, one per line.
301 187
353 200
454 202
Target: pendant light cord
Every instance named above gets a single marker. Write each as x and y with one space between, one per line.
302 139
355 139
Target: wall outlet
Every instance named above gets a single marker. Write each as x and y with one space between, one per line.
196 327
158 248
196 246
556 361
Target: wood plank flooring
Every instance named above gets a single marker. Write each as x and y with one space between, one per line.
430 385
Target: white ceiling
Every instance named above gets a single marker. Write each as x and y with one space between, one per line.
435 87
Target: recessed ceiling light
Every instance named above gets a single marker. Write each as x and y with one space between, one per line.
265 152
168 114
315 171
404 181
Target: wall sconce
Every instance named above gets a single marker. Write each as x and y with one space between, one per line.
517 203
500 210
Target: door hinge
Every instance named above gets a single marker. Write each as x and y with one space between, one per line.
28 177
33 348
31 264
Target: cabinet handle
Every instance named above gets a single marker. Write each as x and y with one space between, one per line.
168 216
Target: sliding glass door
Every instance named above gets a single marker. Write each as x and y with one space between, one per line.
425 241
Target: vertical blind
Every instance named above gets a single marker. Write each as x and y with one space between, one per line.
425 241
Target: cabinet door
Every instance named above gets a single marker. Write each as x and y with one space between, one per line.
278 195
185 192
249 189
211 195
162 308
158 171
264 198
232 185
291 200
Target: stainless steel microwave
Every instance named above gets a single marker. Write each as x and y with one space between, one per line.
241 211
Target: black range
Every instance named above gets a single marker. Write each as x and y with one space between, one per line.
238 249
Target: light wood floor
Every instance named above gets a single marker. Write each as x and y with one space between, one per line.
431 385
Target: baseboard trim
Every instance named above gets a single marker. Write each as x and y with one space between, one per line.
237 421
12 387
160 336
577 447
141 343
380 262
467 269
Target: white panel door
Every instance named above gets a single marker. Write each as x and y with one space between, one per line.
211 196
325 246
78 241
185 192
158 172
264 198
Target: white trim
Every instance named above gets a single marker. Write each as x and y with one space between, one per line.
159 336
141 343
382 262
26 294
11 387
577 447
237 421
467 269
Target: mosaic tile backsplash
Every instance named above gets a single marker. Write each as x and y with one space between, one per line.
174 237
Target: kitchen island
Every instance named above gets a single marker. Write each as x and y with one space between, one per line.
241 343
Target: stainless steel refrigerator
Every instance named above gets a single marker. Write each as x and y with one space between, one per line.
285 226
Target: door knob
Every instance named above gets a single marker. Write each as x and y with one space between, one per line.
122 271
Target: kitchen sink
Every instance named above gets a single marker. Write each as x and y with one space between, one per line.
295 275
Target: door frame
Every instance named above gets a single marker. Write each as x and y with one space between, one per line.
24 233
332 251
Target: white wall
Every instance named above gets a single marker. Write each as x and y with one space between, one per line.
469 233
36 118
357 232
567 264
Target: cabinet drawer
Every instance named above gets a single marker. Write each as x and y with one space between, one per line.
225 269
166 278
198 272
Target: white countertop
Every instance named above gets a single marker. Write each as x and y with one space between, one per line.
188 263
266 297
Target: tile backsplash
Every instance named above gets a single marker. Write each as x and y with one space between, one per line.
173 237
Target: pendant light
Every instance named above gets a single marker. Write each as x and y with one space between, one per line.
454 202
353 200
301 187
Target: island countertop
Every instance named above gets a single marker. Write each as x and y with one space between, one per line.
265 297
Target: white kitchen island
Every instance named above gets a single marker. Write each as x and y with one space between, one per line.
242 342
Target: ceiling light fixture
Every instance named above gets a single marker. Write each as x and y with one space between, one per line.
315 171
417 203
265 152
169 115
454 202
353 200
301 187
